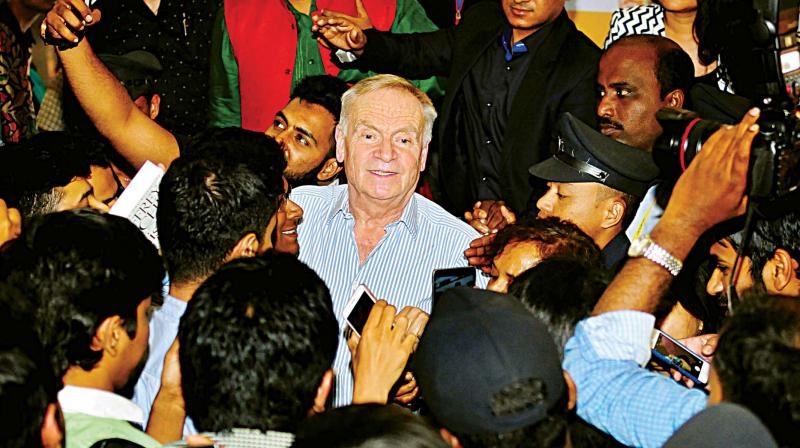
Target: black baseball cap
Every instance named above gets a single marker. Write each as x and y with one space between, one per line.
136 70
478 347
725 425
586 155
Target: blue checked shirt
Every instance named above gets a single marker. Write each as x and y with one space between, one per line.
636 406
399 269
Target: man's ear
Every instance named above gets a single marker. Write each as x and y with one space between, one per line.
323 391
245 247
782 273
107 336
330 169
52 434
339 135
675 99
155 106
449 438
424 157
614 212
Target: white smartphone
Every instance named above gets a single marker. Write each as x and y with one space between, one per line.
672 354
357 309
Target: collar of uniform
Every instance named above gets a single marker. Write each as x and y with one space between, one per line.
410 216
99 403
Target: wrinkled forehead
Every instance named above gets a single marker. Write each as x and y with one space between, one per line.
389 107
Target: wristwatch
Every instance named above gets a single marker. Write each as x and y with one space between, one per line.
647 248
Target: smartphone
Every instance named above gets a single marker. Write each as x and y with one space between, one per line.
674 355
357 309
444 279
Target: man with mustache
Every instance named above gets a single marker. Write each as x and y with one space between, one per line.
638 75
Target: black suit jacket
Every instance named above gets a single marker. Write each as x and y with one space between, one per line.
560 79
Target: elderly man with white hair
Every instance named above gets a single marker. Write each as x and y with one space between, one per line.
376 230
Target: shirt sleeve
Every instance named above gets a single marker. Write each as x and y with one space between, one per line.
615 394
223 94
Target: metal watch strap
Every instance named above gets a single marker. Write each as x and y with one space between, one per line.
661 257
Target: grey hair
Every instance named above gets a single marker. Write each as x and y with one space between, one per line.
378 82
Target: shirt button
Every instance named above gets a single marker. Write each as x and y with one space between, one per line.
488 142
287 72
483 179
488 104
311 62
508 68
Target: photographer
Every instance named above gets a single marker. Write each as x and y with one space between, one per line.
604 355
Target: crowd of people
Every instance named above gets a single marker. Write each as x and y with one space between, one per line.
614 302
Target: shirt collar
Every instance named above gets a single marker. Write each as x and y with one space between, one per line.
410 216
99 403
511 51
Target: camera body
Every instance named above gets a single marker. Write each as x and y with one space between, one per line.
774 70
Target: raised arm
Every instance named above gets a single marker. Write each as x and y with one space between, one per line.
711 191
132 133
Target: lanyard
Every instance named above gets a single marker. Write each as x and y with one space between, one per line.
459 5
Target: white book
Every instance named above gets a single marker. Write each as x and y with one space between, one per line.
139 201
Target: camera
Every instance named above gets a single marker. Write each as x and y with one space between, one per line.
773 74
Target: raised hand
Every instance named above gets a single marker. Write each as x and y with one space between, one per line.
386 343
490 216
362 20
64 24
340 33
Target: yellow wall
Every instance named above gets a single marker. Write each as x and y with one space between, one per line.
593 24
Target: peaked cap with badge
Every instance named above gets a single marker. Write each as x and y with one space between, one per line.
586 155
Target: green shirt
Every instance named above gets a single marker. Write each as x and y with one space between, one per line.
224 106
83 431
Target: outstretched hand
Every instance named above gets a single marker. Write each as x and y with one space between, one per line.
387 341
712 189
362 20
339 32
490 216
64 24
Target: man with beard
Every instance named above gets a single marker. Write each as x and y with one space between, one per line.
308 119
91 278
304 128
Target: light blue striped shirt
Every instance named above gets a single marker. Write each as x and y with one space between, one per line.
399 269
615 394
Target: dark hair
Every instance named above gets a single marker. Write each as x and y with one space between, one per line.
758 361
368 426
225 185
325 91
31 170
81 267
561 291
553 237
674 68
549 432
255 342
771 235
27 383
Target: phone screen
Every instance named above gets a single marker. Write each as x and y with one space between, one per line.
444 279
358 316
677 356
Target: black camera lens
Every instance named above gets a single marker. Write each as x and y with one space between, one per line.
683 135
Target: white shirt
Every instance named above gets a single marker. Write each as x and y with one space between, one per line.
99 403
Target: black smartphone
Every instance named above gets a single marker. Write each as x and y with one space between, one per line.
444 279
